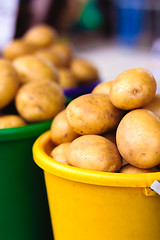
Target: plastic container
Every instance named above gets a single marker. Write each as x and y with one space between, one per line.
80 90
93 205
24 212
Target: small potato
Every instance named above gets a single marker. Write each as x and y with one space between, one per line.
131 169
138 138
66 79
41 35
11 121
64 51
154 105
9 83
59 153
83 70
31 68
103 88
94 152
133 88
53 58
61 132
18 48
39 101
93 114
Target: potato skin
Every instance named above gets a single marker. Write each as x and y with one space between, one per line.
11 121
63 50
94 152
41 35
39 101
66 79
103 88
61 131
138 138
18 48
50 57
83 70
93 114
9 82
31 68
59 153
154 105
131 169
133 88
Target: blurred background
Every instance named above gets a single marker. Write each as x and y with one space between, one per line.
113 34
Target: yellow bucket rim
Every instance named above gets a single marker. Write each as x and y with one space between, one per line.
48 164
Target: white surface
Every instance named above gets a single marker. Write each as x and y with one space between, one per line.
8 16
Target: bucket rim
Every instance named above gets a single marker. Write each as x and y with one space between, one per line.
44 161
28 131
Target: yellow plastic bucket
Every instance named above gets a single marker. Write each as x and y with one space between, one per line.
90 205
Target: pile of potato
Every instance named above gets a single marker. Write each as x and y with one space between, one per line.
116 128
34 71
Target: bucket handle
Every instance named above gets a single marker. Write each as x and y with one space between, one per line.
155 186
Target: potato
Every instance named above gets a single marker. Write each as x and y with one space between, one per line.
83 70
18 48
138 138
66 79
41 35
154 105
133 88
53 58
64 51
131 169
95 153
59 153
39 101
9 83
92 114
103 88
61 132
31 68
11 121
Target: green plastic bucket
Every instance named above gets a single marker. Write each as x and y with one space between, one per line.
24 212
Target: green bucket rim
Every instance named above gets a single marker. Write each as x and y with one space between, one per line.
28 131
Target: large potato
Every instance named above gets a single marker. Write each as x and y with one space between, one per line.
103 88
39 101
59 153
40 35
66 79
131 169
61 132
95 153
133 88
31 68
83 70
93 114
154 106
138 138
9 82
11 121
18 48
